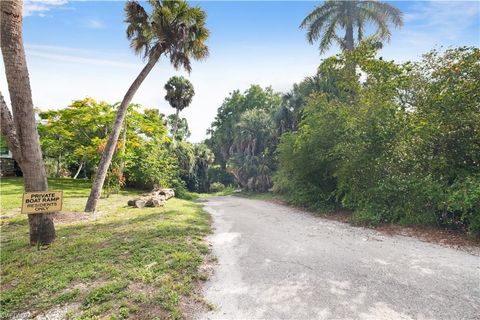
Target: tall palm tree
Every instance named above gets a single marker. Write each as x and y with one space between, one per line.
172 29
179 94
19 126
324 22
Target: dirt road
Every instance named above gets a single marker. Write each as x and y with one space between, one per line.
275 262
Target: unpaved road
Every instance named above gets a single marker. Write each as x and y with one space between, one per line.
275 262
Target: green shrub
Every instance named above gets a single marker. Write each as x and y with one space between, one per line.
401 146
217 187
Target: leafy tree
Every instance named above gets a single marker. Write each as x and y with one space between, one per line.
183 132
242 136
204 158
325 20
252 162
401 145
154 165
179 94
173 29
19 126
76 132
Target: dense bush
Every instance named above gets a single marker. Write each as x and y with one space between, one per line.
74 137
217 187
243 138
396 143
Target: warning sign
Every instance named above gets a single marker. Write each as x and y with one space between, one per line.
42 202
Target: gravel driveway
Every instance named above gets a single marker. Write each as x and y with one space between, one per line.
275 262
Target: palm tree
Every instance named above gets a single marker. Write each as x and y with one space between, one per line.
179 94
19 126
204 157
324 22
250 163
172 29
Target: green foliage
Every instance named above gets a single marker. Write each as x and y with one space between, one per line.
324 22
243 137
104 293
144 156
114 180
171 27
179 92
401 145
73 135
3 145
217 174
154 165
125 262
183 132
217 187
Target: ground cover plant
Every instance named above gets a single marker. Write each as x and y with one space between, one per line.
119 263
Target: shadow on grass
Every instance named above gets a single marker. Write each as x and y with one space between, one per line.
159 248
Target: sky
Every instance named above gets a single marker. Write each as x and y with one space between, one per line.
78 49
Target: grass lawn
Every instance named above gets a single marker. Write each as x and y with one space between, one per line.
119 263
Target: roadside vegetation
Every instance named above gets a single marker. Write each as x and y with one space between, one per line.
121 262
395 143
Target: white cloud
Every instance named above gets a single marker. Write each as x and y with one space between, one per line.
448 18
93 24
81 60
39 7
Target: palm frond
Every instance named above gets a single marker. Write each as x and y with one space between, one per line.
328 35
318 12
390 13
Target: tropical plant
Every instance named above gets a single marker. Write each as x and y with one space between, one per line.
401 145
73 134
203 159
183 132
19 127
173 29
243 137
324 22
179 94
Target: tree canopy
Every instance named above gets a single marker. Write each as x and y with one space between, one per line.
352 16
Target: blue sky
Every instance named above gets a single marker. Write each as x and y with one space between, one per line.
78 48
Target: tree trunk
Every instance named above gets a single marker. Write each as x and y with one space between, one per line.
175 126
58 167
22 130
349 45
78 171
109 150
124 146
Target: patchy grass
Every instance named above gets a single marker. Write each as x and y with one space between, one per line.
123 263
195 196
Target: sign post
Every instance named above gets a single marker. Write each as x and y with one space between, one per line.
42 202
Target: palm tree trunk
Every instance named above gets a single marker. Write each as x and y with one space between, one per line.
78 171
349 45
107 154
175 126
21 129
124 147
